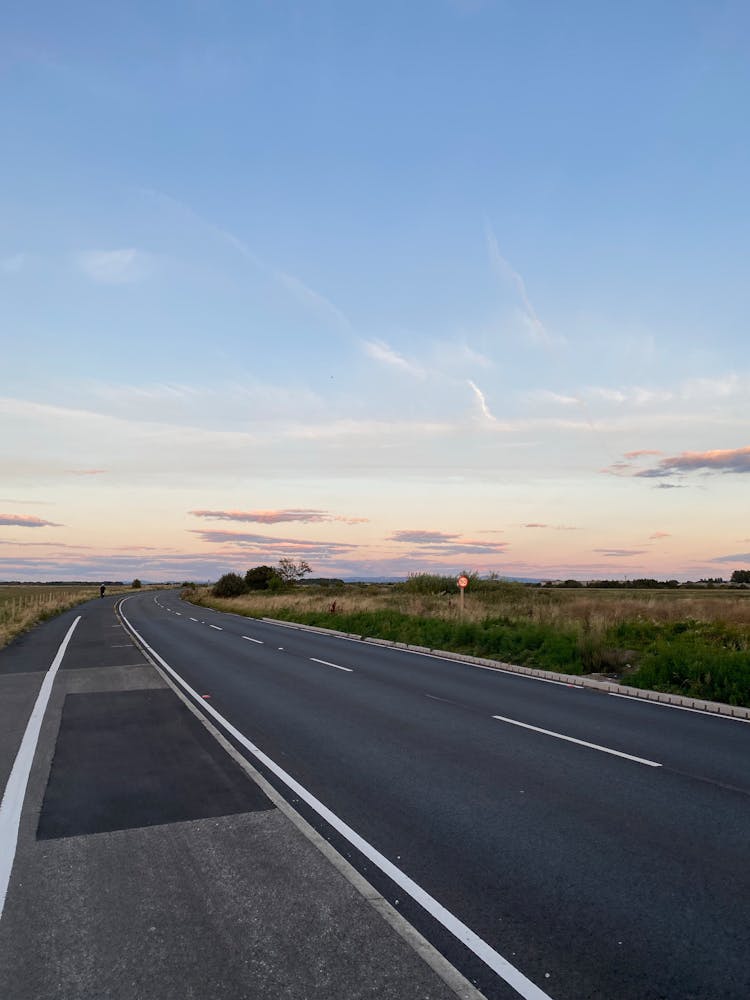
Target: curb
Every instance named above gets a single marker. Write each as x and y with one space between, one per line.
575 680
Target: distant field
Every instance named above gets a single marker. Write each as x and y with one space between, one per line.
21 606
693 642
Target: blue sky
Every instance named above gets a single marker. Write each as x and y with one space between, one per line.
437 269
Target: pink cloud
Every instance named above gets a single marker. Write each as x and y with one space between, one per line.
659 534
642 451
620 553
26 521
276 516
718 460
422 537
86 472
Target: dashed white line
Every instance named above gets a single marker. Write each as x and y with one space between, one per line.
327 664
572 739
250 639
217 627
493 959
193 619
178 613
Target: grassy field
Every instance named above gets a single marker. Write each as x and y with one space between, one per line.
23 606
692 642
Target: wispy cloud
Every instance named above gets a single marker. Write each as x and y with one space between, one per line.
271 546
86 472
484 408
620 553
658 535
378 350
444 543
643 451
114 267
314 300
277 516
735 557
505 271
26 521
552 527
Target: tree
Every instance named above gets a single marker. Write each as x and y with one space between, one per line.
260 577
229 585
291 571
136 584
740 576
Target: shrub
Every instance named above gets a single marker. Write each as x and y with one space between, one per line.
229 585
136 584
260 577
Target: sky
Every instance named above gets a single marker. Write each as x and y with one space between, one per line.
390 287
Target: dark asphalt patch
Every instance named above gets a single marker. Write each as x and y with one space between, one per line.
138 758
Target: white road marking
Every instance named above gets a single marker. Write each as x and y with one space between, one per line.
681 708
583 743
493 959
193 619
15 790
217 627
250 639
123 645
327 664
178 613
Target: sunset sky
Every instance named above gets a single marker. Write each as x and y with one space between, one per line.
391 287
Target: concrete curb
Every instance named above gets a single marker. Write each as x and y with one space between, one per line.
606 687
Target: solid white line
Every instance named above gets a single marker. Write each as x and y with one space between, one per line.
509 973
680 708
583 743
250 639
217 627
327 664
15 790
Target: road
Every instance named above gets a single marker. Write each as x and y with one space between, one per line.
617 865
548 841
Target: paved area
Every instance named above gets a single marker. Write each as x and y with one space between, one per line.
148 863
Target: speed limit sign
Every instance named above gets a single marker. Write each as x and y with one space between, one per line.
463 581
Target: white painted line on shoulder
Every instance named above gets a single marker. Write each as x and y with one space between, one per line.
250 639
217 627
493 959
680 708
327 664
15 790
582 743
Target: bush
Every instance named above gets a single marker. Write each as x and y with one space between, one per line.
229 585
136 584
260 577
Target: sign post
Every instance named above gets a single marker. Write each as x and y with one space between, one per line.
463 582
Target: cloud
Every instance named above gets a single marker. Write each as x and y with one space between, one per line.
486 412
720 460
378 350
620 553
114 267
86 472
659 534
546 396
277 516
534 524
314 300
443 543
735 557
26 521
422 537
504 270
669 486
643 451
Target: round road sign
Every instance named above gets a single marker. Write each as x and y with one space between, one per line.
463 581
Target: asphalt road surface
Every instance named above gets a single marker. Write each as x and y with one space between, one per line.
549 841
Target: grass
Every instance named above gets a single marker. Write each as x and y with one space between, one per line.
21 606
695 643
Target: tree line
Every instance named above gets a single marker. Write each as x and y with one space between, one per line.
285 574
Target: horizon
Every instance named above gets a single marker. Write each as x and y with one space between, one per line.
457 286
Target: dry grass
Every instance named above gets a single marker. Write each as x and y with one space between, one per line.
594 610
23 606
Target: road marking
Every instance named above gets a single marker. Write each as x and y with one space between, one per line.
178 613
493 959
15 790
193 619
122 645
327 664
217 627
583 743
680 708
250 639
